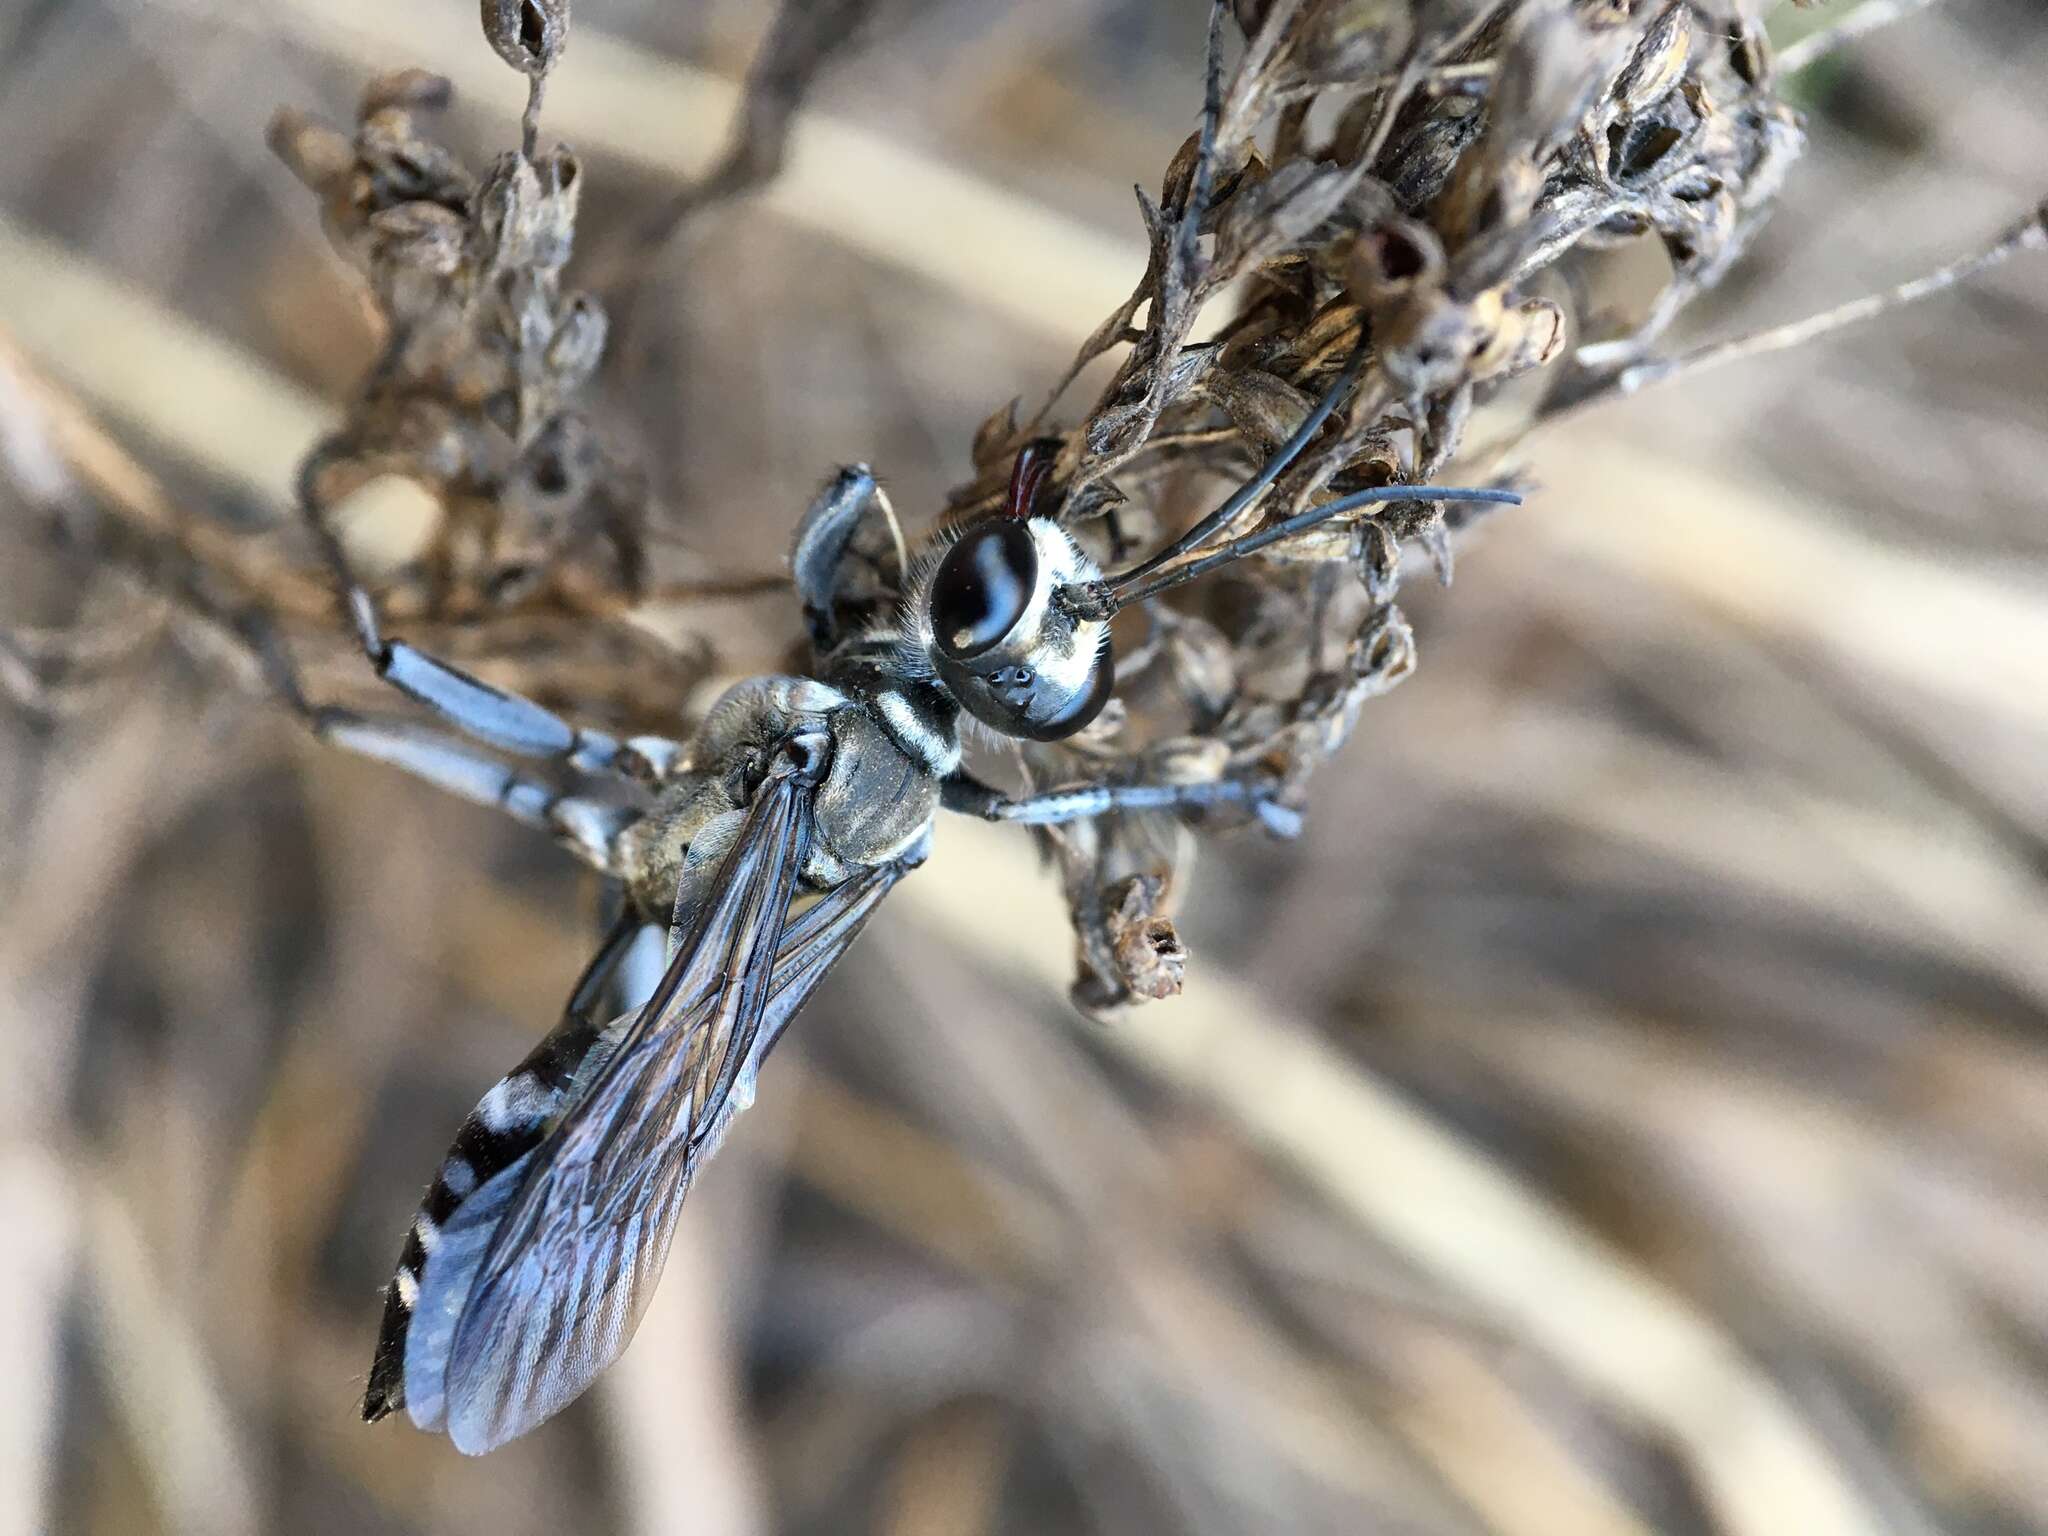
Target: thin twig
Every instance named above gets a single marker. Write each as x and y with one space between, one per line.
2029 234
1859 23
805 36
121 486
529 120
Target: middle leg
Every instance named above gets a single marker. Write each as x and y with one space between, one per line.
1254 790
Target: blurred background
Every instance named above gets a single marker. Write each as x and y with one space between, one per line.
1626 1111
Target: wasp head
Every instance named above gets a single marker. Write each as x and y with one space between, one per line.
1013 655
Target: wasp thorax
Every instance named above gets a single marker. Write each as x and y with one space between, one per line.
1011 655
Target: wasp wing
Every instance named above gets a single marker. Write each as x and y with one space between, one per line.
510 1121
535 1281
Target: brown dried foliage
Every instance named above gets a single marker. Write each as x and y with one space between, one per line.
1408 183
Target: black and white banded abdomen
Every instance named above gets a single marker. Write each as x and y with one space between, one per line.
484 1163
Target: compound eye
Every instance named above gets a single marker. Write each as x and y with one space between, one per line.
1081 709
982 588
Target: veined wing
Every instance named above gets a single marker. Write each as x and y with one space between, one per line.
510 1121
536 1280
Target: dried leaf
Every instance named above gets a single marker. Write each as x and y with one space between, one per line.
992 439
1265 408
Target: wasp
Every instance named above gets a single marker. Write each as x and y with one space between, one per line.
760 847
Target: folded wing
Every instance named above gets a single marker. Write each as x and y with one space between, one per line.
535 1279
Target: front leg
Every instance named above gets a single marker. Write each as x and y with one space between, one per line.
1075 802
849 525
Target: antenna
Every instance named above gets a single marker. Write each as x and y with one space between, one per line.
1156 574
1101 599
1276 466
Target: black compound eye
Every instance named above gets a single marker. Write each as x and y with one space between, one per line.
1080 710
982 588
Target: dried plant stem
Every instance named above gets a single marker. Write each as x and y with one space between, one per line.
126 490
1049 274
1859 23
529 120
804 36
2029 234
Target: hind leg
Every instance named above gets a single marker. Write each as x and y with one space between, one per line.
590 829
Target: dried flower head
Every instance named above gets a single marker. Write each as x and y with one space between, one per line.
476 395
527 34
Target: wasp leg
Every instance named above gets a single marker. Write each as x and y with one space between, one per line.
588 828
1079 801
849 521
517 725
489 715
493 716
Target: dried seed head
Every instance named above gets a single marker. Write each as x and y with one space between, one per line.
1387 266
1528 336
1151 961
1427 342
527 211
527 34
1378 188
1659 63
